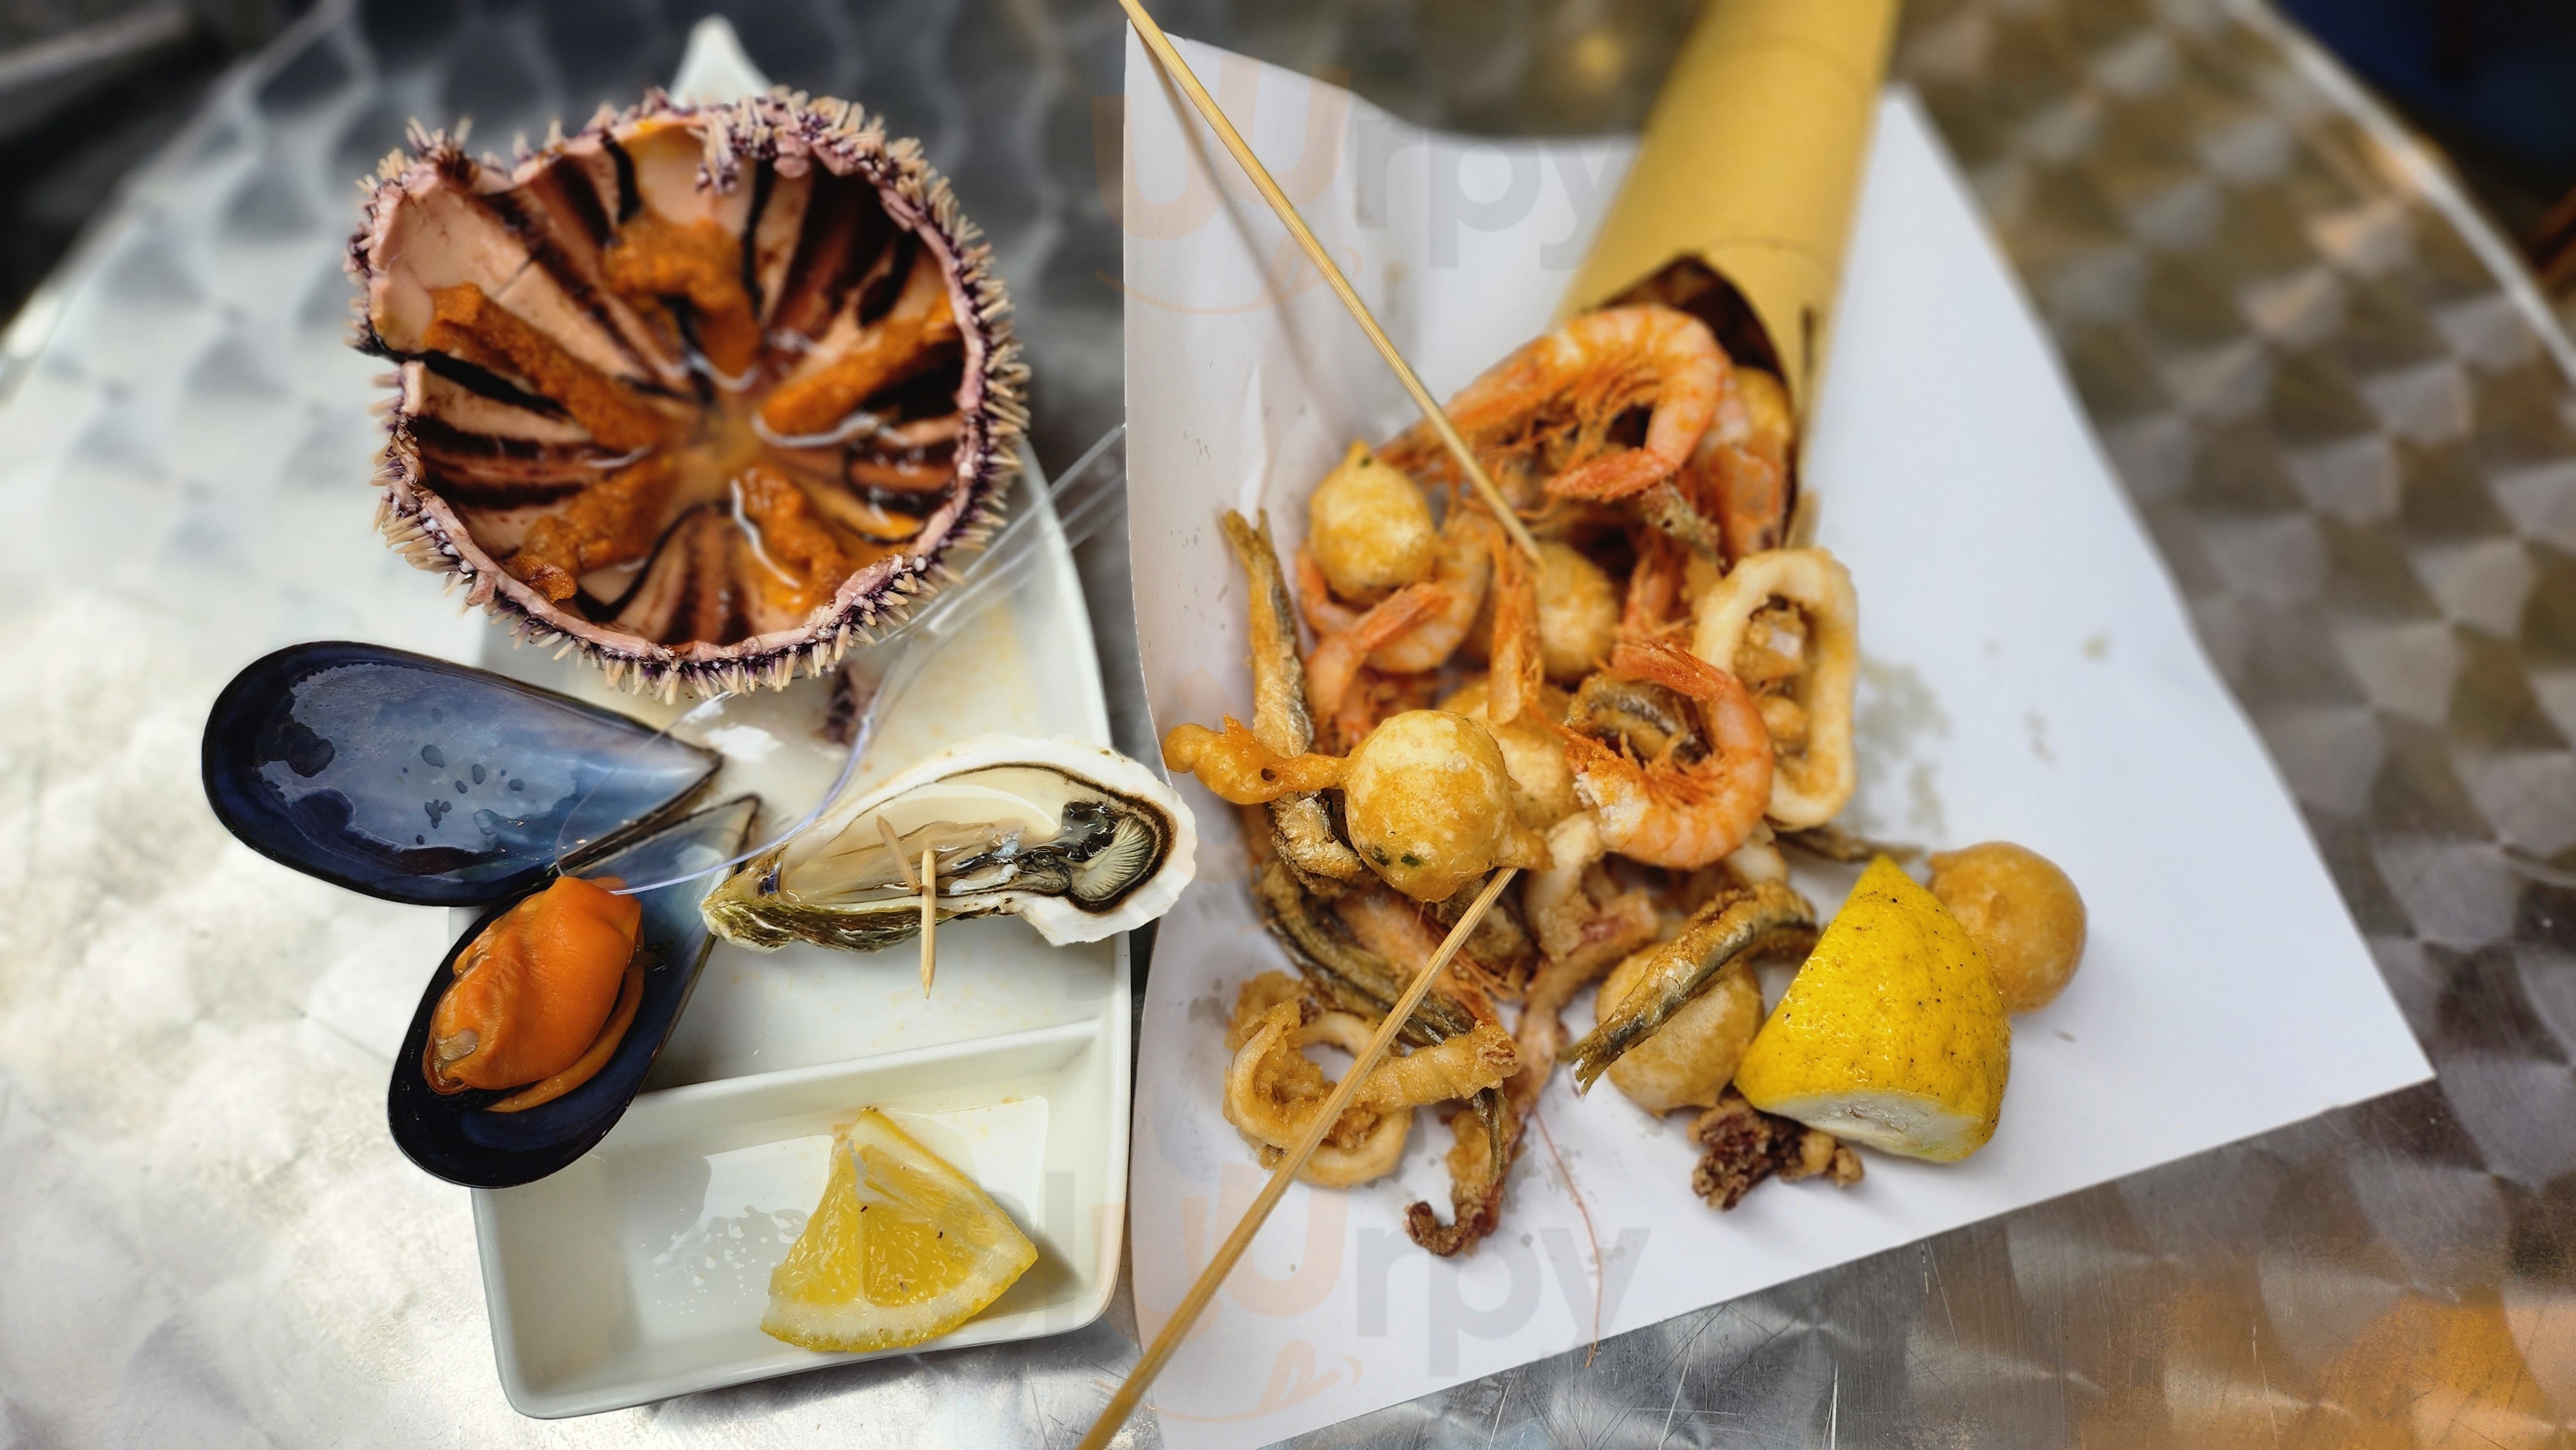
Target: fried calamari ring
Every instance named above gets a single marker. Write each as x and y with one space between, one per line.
1803 677
1273 1090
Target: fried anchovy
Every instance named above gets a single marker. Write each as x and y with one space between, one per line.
1359 980
1836 844
1279 715
1768 917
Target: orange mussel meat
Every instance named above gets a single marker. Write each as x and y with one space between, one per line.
541 997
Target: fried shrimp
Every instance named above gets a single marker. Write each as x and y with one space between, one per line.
1461 568
1787 623
1670 811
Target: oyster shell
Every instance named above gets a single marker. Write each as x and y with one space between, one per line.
416 780
457 1136
702 392
1079 841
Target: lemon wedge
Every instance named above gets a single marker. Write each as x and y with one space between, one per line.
1892 1034
903 1248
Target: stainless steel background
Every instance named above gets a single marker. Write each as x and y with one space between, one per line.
2350 430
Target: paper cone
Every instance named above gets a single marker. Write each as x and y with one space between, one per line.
1740 201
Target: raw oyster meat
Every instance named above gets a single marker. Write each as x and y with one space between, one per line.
1079 841
702 392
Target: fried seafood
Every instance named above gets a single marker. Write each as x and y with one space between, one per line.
1745 1145
1748 923
1691 1059
1454 582
1787 624
1681 809
1281 717
1429 805
1578 613
1541 420
1739 474
1369 528
1533 755
2021 911
1666 703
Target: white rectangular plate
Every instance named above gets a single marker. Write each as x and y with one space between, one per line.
641 1271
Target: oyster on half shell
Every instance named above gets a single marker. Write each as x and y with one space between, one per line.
1079 841
702 392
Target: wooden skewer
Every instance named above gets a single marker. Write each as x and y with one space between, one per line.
1141 1378
1179 70
929 914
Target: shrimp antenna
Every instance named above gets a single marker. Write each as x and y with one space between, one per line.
1179 70
1123 1403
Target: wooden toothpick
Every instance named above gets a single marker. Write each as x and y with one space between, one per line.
1179 70
929 914
1139 1379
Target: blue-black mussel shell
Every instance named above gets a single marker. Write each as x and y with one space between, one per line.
420 781
457 1138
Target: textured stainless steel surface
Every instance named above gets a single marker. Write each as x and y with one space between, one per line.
2351 437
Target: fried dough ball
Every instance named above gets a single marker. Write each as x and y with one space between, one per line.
2021 911
1578 613
1691 1059
1542 779
1429 804
1369 528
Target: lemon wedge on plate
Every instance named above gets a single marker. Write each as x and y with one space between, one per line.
1892 1034
903 1248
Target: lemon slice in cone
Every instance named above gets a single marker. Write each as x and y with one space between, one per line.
903 1248
1892 1034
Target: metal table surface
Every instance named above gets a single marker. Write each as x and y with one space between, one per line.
2349 426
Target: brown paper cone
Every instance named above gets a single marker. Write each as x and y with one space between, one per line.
1740 201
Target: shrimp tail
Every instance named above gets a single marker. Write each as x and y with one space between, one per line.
1519 664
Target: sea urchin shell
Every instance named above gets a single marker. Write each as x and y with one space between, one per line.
702 392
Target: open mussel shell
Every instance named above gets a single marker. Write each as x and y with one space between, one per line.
420 781
1078 841
457 1137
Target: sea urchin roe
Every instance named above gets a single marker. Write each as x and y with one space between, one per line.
467 324
921 320
702 262
611 522
801 562
534 991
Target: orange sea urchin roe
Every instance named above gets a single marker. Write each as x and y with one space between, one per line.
702 262
532 992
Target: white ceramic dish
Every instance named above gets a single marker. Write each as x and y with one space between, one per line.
641 1271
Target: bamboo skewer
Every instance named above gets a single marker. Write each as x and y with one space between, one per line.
1141 1378
1179 70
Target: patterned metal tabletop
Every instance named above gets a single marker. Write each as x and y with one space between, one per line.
2346 418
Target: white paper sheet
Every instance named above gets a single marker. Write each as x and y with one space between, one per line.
2028 674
